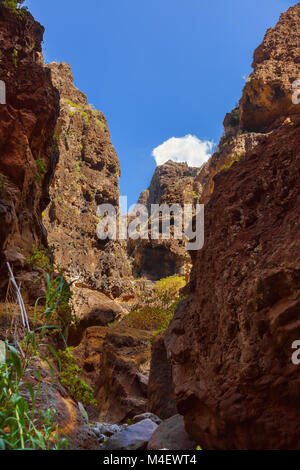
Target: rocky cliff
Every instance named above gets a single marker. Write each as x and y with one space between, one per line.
87 175
172 183
230 342
27 155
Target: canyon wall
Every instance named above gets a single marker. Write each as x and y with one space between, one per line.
27 155
172 183
230 342
87 175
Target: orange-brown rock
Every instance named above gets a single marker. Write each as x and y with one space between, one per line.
115 361
27 123
172 183
267 95
230 342
87 175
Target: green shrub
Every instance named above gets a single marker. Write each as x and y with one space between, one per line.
41 170
156 311
12 6
166 290
151 318
39 259
14 57
235 117
69 377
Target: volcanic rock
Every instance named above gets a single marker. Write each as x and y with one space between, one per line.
230 341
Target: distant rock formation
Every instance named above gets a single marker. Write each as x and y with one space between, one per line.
172 183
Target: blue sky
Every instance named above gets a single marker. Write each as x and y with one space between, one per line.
157 69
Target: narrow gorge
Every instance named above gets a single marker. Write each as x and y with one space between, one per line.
141 343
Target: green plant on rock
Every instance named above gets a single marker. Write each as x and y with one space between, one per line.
69 377
41 170
58 310
39 259
14 57
101 124
166 290
157 310
22 425
235 117
13 7
233 158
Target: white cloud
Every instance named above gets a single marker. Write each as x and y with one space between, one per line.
188 149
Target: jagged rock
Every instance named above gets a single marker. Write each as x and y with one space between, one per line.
230 341
27 125
87 175
135 437
171 435
268 93
114 360
172 183
94 309
143 416
107 430
161 399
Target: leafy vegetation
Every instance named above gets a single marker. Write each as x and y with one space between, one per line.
41 170
39 259
14 57
155 312
166 291
69 377
235 117
13 7
233 158
22 426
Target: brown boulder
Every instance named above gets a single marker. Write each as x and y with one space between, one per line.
171 435
92 308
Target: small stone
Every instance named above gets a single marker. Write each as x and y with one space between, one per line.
143 416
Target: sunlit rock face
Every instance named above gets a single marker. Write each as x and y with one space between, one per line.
27 156
230 342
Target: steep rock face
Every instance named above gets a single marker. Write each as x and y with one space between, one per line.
267 94
172 183
27 123
115 362
266 101
230 342
86 176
